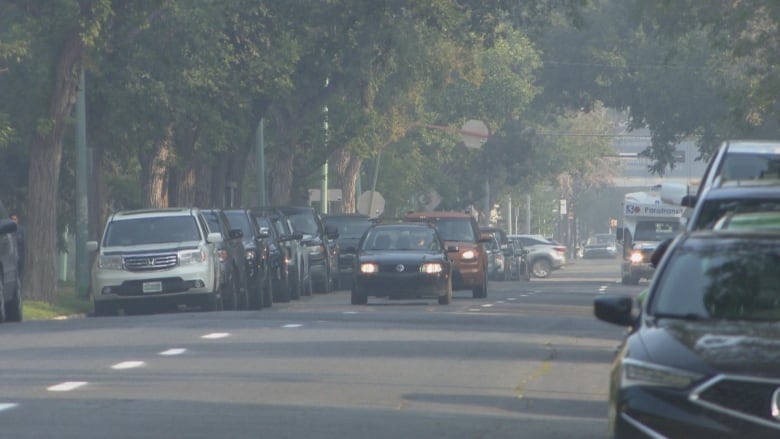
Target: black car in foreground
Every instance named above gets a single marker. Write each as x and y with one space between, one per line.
702 358
402 261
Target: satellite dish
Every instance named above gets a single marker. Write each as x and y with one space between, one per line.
474 134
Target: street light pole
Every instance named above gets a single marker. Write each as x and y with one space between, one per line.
262 199
82 229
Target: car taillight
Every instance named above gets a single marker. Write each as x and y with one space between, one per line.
560 249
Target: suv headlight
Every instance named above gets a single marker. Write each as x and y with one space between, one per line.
469 255
640 373
188 257
111 262
636 257
369 268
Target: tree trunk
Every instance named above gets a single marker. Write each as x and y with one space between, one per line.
40 277
281 178
347 168
154 167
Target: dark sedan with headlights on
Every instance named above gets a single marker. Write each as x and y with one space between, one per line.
402 261
702 358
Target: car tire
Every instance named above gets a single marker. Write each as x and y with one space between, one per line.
268 291
215 302
14 309
281 289
255 295
541 268
447 298
480 292
243 300
295 286
104 309
230 302
324 287
358 298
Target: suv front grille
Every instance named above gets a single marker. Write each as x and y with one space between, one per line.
151 262
751 399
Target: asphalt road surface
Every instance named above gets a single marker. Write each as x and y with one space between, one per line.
529 361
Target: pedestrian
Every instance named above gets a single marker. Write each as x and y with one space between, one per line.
19 240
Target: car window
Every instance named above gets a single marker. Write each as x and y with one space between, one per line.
350 227
746 166
151 231
736 280
713 210
305 223
656 230
240 221
456 229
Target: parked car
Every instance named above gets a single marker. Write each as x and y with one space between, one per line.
402 261
499 253
470 270
735 161
322 265
601 245
232 259
11 301
159 257
282 253
543 256
351 228
700 358
256 255
518 264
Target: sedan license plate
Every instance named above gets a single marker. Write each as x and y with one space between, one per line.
152 287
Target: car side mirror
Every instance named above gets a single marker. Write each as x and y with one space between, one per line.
615 310
236 234
484 237
689 200
332 232
92 246
263 233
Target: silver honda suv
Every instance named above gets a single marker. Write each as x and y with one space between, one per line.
155 257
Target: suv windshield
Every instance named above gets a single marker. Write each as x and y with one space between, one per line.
456 229
656 230
734 279
238 220
713 209
151 231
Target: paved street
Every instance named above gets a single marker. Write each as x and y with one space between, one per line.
530 360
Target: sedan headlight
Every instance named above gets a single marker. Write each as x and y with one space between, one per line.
188 257
111 262
431 268
369 268
640 373
469 255
636 257
251 254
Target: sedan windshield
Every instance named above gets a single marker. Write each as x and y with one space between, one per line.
735 279
401 239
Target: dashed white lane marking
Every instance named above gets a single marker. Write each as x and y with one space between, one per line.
66 386
171 352
216 335
487 305
292 325
127 365
524 295
500 301
350 312
511 299
474 310
7 406
602 289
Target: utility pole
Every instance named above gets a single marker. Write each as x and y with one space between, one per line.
324 188
262 199
82 212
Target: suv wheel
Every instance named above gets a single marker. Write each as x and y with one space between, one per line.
281 287
480 292
541 268
2 300
214 302
268 291
13 310
324 287
358 298
230 301
256 294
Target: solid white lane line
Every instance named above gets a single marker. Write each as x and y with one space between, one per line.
175 351
292 325
127 365
66 386
216 335
7 406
